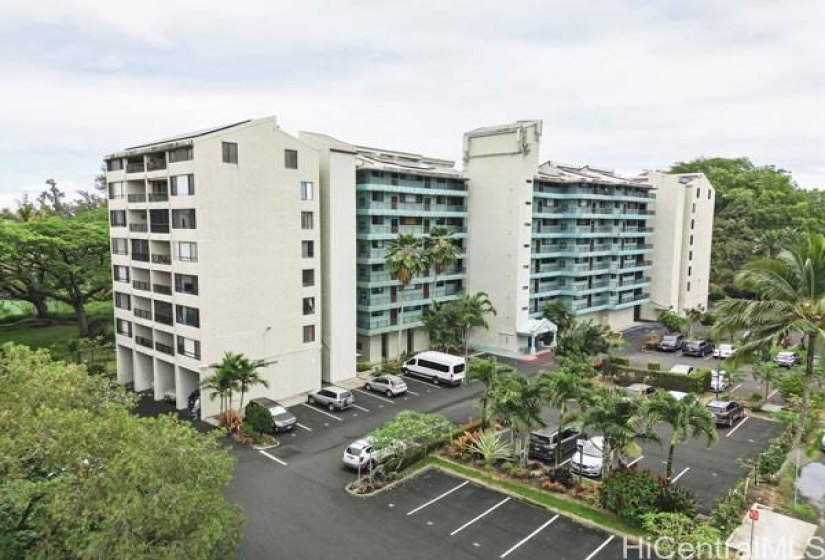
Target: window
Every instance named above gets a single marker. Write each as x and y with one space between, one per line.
140 250
182 185
116 189
120 273
692 223
291 159
306 220
123 301
117 218
309 306
186 284
114 164
120 246
690 269
187 251
230 152
309 333
691 239
688 286
187 316
181 154
308 277
710 194
183 219
698 192
124 327
690 255
189 347
693 210
307 249
307 188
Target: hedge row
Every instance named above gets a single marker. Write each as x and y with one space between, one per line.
696 382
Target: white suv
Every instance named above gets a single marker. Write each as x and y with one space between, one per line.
332 397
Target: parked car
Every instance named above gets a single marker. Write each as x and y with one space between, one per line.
640 390
543 442
390 385
786 359
682 369
719 381
822 443
671 343
282 419
587 459
332 397
724 351
726 412
438 367
700 348
360 454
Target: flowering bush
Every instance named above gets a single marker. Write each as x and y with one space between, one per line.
631 493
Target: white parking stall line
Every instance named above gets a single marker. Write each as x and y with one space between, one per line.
412 392
528 537
739 425
374 396
565 462
735 388
307 428
770 396
479 516
426 383
360 408
604 544
678 476
434 500
319 411
274 458
636 460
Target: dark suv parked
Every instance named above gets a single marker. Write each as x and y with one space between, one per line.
726 413
699 348
671 343
543 442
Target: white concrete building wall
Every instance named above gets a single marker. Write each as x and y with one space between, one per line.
338 265
683 234
500 163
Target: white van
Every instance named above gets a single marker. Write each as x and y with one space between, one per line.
438 367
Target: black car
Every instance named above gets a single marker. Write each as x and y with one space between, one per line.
543 442
726 413
700 348
282 419
671 343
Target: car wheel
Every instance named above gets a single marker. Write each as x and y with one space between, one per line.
331 407
389 393
405 371
368 387
311 400
435 380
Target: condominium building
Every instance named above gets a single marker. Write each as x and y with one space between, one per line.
373 195
216 247
545 232
682 242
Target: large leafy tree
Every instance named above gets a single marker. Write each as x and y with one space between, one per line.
22 272
516 402
405 260
441 321
583 338
489 373
244 371
559 313
84 478
560 388
789 299
687 417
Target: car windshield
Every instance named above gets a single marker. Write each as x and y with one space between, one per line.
670 338
716 409
356 449
592 450
277 410
694 344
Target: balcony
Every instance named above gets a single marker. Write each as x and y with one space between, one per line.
143 313
135 167
165 348
155 164
158 197
138 228
165 319
141 285
162 289
136 198
162 259
373 324
140 257
160 228
143 341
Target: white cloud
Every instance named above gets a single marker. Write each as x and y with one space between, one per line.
627 84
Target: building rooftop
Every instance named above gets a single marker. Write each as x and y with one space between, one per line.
404 162
567 173
503 128
189 135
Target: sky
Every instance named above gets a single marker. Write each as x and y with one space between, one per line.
625 84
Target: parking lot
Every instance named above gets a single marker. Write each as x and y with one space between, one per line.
460 515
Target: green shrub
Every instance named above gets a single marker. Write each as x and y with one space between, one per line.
620 361
630 493
696 382
362 366
708 319
257 419
392 366
790 386
672 499
561 475
805 511
669 530
770 460
727 515
654 366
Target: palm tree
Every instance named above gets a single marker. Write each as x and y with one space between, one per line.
247 375
766 372
687 417
790 298
489 373
693 315
473 309
221 385
441 251
559 389
517 402
405 260
619 419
